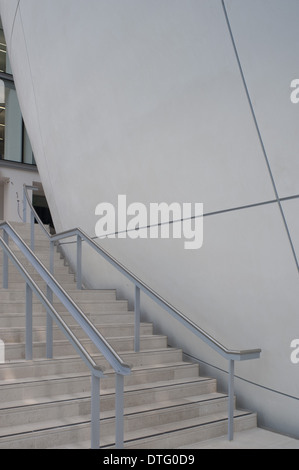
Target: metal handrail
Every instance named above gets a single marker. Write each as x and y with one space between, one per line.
229 354
63 326
53 287
115 361
224 351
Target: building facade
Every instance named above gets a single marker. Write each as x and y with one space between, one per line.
17 164
178 102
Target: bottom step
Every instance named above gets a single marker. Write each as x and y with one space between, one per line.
168 436
193 431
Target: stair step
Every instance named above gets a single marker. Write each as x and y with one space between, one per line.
10 295
45 403
71 386
14 320
66 434
33 417
15 351
42 252
18 334
61 276
41 367
174 435
15 285
87 307
151 372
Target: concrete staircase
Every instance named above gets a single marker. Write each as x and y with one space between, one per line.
45 403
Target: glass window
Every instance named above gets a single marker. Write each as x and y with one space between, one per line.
11 124
14 141
3 54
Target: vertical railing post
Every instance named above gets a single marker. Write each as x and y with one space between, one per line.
119 411
5 262
231 399
79 262
52 246
28 346
32 231
49 327
95 412
24 206
137 319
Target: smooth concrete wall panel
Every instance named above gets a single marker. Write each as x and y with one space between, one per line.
291 211
146 99
179 113
266 35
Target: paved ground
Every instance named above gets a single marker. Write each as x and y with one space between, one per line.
252 439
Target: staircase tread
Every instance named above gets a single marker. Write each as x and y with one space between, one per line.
141 368
87 340
138 435
69 376
55 327
71 357
165 394
164 429
128 411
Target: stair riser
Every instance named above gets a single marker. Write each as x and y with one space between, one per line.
43 255
88 307
81 433
81 409
197 434
80 297
81 385
18 278
64 366
139 421
17 286
151 375
19 335
17 351
59 267
40 244
39 319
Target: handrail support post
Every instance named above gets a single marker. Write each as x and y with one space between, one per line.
49 325
32 231
119 411
28 346
52 246
231 400
5 262
24 205
79 262
95 412
137 319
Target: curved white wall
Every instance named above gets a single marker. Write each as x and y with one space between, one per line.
145 98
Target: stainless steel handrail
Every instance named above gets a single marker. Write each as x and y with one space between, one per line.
116 362
53 287
229 354
61 323
226 352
